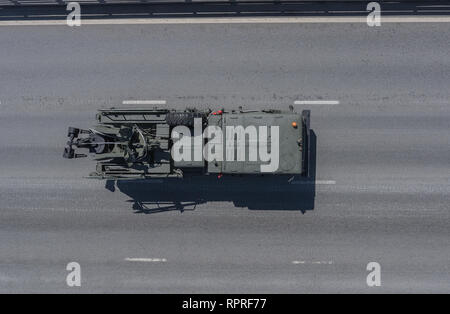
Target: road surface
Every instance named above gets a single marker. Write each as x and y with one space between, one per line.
382 171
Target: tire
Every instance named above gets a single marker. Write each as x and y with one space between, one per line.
183 118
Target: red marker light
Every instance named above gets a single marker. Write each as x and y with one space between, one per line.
220 176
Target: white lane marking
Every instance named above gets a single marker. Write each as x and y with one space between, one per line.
144 102
317 102
146 260
312 262
326 182
317 182
234 20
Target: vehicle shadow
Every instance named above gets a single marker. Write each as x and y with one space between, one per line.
252 192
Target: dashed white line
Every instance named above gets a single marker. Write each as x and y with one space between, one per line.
144 102
312 262
146 260
317 102
326 182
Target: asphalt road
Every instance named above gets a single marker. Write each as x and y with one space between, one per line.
382 160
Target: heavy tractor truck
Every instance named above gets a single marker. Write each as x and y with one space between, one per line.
145 143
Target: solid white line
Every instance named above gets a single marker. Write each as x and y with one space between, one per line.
146 260
313 262
144 102
317 102
317 182
234 20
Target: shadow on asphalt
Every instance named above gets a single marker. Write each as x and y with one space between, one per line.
252 192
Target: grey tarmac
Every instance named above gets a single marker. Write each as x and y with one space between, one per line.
384 150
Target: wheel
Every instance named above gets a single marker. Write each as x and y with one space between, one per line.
183 118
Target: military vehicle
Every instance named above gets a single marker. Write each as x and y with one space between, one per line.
139 143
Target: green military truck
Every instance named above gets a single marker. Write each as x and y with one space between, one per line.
163 143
